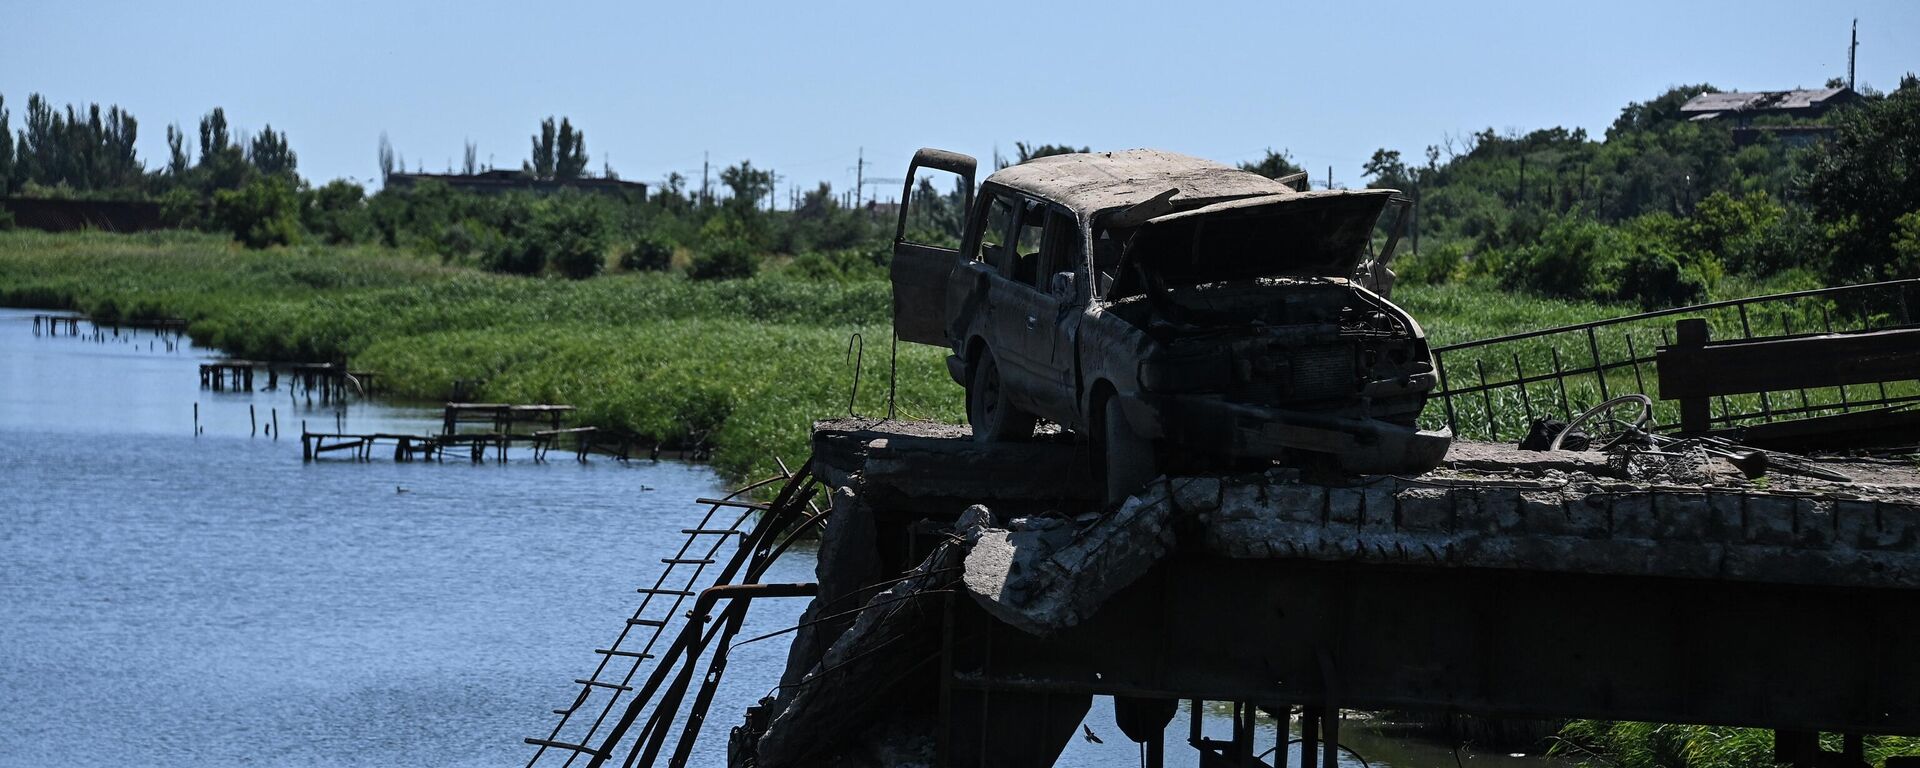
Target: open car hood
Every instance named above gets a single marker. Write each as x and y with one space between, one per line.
1307 234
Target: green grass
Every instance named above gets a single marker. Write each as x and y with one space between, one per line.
1605 744
744 365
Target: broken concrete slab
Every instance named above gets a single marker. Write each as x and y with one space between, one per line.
1044 575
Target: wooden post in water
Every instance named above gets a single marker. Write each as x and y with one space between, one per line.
276 425
196 419
253 422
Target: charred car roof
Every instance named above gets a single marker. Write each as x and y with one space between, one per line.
1094 182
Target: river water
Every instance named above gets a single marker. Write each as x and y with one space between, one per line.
179 598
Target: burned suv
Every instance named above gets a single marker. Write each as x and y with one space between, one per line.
1173 310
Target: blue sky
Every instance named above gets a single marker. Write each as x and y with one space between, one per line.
802 87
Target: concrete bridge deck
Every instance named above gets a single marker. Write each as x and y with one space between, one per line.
1509 583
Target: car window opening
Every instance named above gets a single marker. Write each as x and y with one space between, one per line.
993 237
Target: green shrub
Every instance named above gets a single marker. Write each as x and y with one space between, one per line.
1438 264
515 257
723 260
264 212
6 220
464 241
844 265
572 232
1652 272
647 254
1573 259
336 213
182 208
1906 245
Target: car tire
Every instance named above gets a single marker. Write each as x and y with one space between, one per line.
1126 459
993 417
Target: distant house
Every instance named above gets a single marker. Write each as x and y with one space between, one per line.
1743 107
56 215
493 182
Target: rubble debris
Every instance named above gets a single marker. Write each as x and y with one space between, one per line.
1044 574
856 683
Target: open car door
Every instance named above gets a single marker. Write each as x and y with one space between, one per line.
925 255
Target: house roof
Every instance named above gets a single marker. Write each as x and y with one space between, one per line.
1097 181
510 179
1734 101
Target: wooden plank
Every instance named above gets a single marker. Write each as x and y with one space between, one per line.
1770 365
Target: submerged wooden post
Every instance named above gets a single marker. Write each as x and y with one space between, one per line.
253 421
276 425
196 419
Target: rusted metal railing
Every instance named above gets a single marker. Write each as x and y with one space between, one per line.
1492 389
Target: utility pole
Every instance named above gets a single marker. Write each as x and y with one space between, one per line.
1329 177
1853 48
859 169
705 200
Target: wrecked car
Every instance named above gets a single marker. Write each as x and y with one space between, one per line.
1173 310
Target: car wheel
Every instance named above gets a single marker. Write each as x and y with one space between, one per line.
1126 459
992 416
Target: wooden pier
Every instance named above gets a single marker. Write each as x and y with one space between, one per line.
53 324
69 325
502 417
236 375
331 381
503 426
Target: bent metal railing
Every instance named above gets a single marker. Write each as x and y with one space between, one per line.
1493 389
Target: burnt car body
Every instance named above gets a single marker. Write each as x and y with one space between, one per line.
1172 309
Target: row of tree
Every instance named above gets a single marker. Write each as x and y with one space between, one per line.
1656 209
1661 206
91 152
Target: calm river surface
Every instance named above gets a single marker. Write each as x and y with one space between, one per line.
172 599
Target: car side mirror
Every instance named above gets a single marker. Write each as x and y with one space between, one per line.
1065 286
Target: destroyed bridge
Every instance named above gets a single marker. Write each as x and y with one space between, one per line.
973 598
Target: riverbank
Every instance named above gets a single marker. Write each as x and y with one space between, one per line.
741 366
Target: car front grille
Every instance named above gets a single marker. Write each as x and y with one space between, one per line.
1318 373
1321 373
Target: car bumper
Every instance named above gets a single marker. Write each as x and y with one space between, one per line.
1239 430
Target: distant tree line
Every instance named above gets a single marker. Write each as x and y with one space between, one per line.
1662 207
249 185
1657 210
